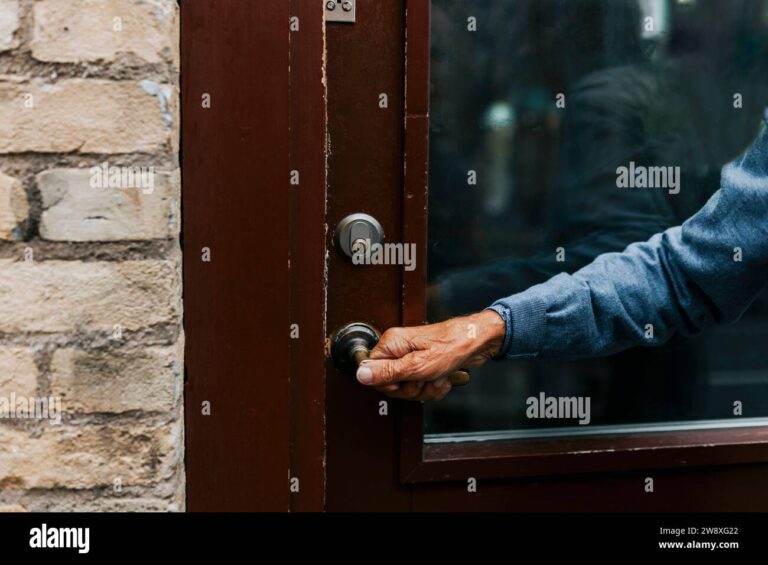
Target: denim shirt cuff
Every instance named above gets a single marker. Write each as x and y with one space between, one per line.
525 316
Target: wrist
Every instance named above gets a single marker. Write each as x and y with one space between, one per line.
492 330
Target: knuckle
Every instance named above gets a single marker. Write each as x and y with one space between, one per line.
388 373
433 393
392 334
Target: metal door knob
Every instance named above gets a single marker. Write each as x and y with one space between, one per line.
352 344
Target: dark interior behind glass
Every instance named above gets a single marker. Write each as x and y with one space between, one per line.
539 105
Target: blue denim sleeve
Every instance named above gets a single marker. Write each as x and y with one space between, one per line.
707 271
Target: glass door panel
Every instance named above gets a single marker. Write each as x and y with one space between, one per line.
535 107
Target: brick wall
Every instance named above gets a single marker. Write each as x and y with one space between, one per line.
90 274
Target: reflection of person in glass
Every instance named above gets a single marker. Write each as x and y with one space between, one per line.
709 270
621 107
656 99
624 109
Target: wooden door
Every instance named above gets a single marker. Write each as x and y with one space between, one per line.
378 72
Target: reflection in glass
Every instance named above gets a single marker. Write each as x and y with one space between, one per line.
535 105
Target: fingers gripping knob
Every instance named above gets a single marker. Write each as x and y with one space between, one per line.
352 344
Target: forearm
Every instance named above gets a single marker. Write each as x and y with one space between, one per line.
468 290
618 301
707 271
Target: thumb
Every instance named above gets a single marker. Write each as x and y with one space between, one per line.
380 372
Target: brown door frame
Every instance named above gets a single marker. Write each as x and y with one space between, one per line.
262 446
519 458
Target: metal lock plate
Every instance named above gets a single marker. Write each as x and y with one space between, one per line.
342 11
356 230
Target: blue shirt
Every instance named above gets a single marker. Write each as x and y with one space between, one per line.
707 271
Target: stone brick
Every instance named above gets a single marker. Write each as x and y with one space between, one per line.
9 23
89 456
117 380
60 296
80 205
61 502
123 415
85 115
130 505
69 31
18 371
14 208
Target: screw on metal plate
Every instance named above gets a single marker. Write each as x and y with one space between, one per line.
340 11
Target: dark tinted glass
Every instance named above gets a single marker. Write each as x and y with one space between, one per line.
535 104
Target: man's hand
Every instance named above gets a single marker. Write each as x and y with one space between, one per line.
414 362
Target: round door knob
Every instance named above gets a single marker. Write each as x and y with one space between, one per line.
353 343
